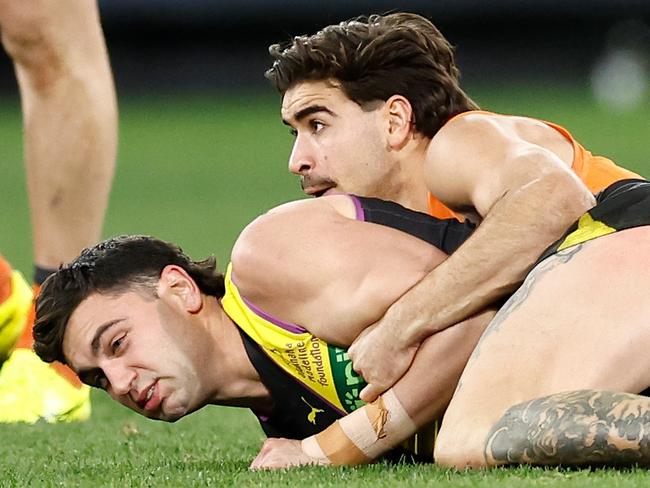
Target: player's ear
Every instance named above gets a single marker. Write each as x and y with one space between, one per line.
399 115
177 285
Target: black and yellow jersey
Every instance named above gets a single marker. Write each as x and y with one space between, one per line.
312 383
622 205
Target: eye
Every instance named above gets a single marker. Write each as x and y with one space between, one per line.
316 126
293 132
117 344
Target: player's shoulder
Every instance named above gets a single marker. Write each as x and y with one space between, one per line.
340 203
473 125
476 133
296 214
270 241
482 126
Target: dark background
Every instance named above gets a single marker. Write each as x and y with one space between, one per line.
202 150
206 45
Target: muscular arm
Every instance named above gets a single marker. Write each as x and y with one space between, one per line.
516 176
310 263
418 398
518 179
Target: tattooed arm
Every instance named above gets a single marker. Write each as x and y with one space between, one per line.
584 427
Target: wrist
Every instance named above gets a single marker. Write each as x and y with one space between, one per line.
312 449
410 327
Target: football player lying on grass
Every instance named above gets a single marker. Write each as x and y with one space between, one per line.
559 365
165 335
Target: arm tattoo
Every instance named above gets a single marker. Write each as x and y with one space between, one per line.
584 427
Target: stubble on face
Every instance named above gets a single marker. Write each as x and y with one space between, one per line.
184 350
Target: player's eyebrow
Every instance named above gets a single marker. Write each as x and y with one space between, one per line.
98 334
307 111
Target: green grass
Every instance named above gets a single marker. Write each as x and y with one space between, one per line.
213 448
195 171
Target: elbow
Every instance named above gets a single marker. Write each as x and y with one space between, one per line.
566 197
556 200
573 196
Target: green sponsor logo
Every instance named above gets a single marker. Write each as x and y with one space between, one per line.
347 382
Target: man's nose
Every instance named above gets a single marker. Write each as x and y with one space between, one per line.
120 378
301 161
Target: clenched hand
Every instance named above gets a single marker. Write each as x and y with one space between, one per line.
381 355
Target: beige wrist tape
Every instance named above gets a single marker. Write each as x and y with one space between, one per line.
363 435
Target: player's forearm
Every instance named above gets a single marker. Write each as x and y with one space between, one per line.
417 399
495 259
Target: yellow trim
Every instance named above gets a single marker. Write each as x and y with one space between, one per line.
588 229
302 355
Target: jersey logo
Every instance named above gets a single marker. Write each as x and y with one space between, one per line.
311 416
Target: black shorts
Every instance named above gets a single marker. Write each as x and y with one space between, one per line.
622 205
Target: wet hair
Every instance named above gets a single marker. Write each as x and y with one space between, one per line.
374 58
111 267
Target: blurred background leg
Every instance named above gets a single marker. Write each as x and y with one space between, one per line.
70 138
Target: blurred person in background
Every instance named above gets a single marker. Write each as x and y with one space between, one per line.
70 142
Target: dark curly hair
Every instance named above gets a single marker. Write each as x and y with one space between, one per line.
113 266
376 57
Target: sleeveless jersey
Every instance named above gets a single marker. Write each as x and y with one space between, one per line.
312 383
596 172
622 205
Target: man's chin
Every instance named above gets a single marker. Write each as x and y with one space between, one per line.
173 414
163 416
165 412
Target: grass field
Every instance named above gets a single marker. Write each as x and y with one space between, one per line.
195 171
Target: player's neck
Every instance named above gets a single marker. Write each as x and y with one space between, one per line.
235 382
407 186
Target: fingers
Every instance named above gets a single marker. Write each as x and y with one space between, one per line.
258 462
371 392
278 453
358 345
267 458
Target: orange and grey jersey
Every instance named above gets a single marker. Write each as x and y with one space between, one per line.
312 383
596 172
